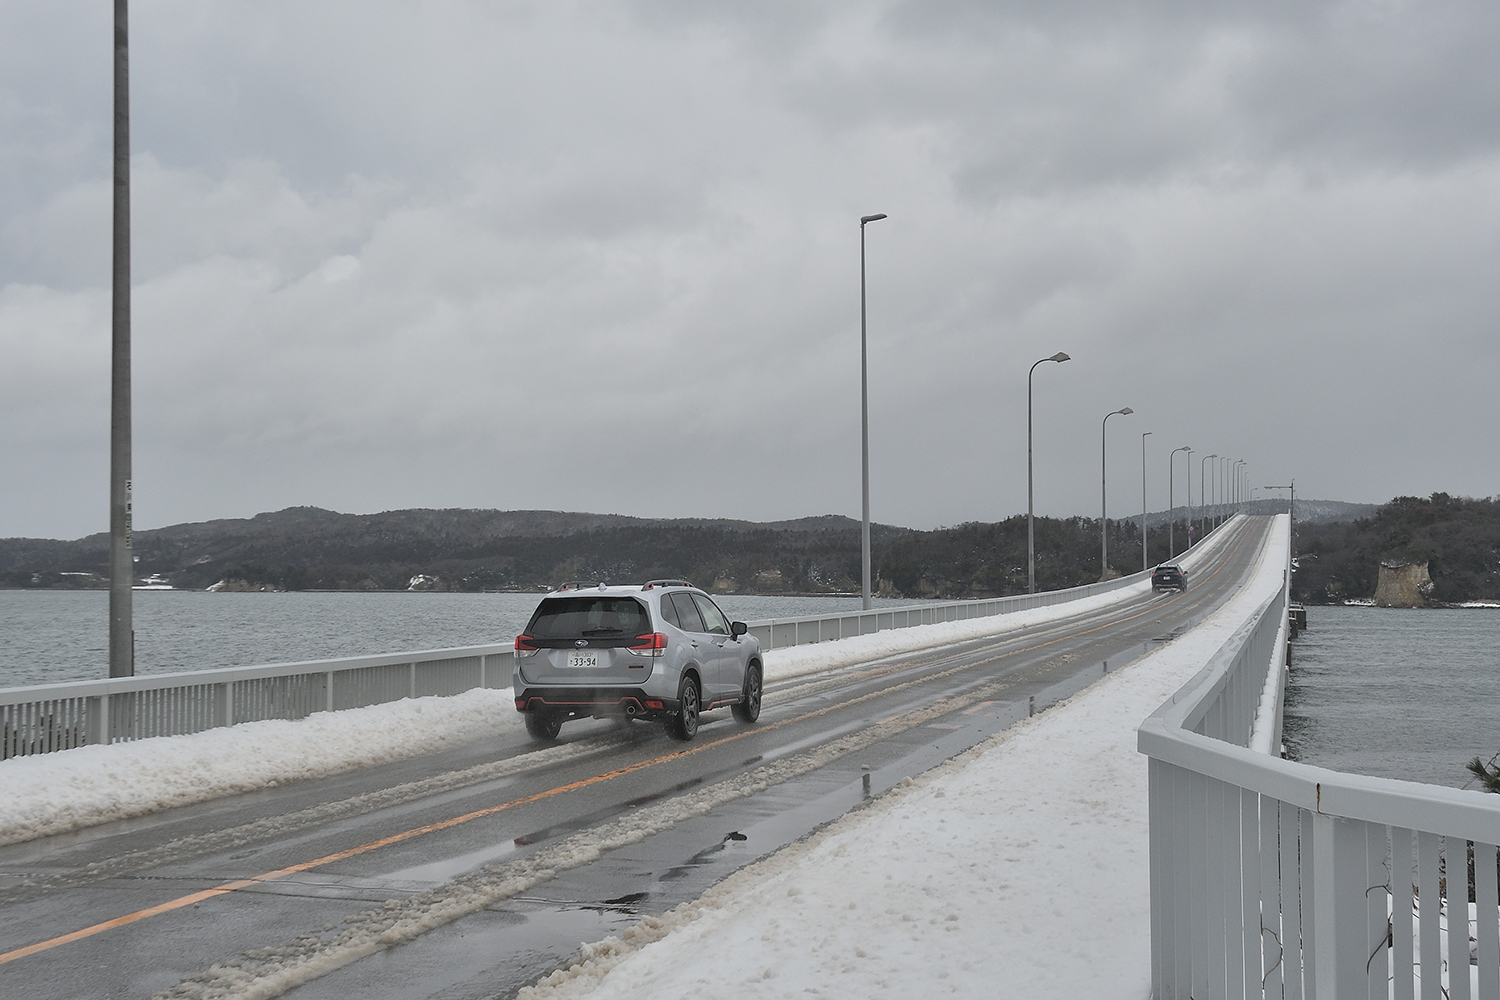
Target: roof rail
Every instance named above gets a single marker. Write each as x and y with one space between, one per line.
653 584
578 585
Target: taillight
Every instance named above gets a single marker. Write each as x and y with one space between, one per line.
654 644
525 645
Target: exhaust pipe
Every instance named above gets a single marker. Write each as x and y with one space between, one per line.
630 709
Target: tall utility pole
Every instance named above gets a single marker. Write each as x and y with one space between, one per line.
1172 497
1144 565
1059 357
1103 491
1203 493
1188 461
864 426
121 556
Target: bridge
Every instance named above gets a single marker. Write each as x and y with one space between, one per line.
1267 877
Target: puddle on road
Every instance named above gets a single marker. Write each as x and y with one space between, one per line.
438 872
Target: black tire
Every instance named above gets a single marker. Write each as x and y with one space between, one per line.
543 724
747 709
684 725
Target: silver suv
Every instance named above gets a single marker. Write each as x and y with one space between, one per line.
661 651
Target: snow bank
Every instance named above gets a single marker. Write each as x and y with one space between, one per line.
1017 869
51 793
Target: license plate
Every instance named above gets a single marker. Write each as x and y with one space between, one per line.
586 659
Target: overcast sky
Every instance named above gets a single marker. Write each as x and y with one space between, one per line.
606 256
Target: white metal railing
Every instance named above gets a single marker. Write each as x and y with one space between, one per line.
1271 878
47 717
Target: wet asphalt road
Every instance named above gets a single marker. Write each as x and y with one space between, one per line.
471 873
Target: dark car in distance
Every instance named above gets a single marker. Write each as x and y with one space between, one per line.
1168 576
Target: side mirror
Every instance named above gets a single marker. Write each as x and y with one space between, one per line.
737 629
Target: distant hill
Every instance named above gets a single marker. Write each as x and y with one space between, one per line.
1308 511
307 548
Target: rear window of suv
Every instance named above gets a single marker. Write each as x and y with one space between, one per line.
570 617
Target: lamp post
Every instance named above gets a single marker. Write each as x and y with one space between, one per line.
1239 474
864 425
1144 565
1172 498
1189 458
1224 466
121 554
1214 505
1292 504
1059 357
1103 494
1203 490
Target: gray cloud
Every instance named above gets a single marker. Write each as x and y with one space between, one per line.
389 257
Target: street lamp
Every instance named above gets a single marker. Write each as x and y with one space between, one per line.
1292 504
1103 495
1235 492
1059 357
1189 457
1225 464
864 424
1172 498
1144 436
1203 489
121 543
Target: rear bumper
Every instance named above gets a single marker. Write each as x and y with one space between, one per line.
583 702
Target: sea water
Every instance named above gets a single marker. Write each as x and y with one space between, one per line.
1396 693
61 635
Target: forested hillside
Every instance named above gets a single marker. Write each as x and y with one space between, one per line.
305 548
1458 537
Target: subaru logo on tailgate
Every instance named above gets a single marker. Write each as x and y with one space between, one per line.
580 643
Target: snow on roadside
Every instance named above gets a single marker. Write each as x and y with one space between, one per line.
1017 869
73 789
55 792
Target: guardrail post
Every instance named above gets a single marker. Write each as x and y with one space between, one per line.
1338 903
328 691
97 712
412 680
224 704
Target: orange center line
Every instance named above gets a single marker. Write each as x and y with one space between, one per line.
396 838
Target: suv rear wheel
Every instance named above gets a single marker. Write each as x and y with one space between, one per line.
684 725
543 724
748 707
